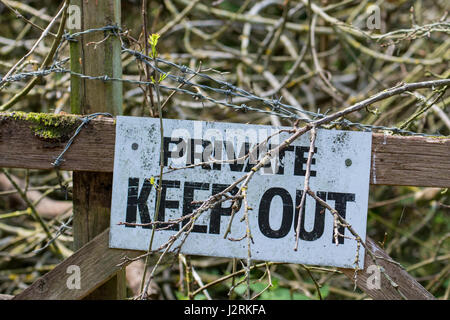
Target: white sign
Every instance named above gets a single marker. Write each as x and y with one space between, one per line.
339 175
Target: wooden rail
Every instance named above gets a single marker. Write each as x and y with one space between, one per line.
98 263
396 160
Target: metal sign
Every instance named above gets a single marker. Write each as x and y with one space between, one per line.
203 158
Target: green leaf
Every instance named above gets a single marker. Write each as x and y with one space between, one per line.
180 295
281 294
299 296
278 294
275 282
153 41
240 289
325 291
258 286
163 76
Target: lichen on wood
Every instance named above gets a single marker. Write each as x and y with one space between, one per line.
45 125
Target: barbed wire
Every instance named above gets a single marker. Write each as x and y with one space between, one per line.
272 106
84 121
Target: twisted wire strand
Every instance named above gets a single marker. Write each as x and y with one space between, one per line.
272 106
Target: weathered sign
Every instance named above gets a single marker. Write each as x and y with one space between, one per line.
339 175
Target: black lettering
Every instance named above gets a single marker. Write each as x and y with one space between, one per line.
340 205
192 154
300 159
281 156
267 168
319 218
252 157
206 154
166 204
258 152
236 165
188 206
218 211
264 213
181 146
135 202
217 154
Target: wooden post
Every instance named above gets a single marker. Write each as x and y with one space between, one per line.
96 54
